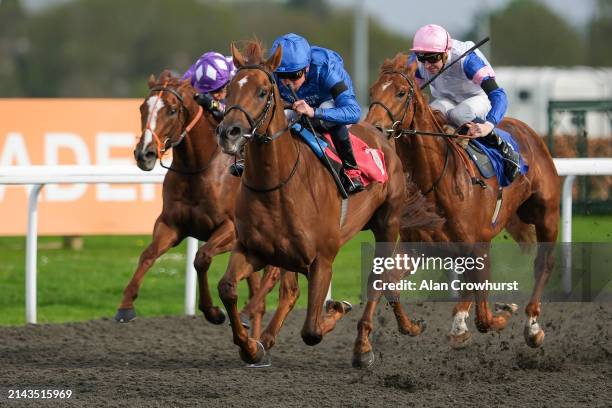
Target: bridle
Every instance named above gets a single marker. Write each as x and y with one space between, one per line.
397 130
256 123
162 148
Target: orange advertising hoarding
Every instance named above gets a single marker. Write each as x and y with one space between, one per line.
81 132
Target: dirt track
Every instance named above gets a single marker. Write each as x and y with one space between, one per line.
180 361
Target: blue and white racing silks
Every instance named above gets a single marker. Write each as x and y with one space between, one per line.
463 80
323 83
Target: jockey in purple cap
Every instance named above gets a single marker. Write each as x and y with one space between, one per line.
209 75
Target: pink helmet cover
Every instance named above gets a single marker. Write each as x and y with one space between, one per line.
431 38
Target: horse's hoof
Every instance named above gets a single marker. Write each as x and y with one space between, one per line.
343 307
125 315
257 358
245 322
534 338
215 315
420 328
459 341
506 307
363 360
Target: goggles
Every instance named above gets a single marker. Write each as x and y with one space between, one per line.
432 58
292 76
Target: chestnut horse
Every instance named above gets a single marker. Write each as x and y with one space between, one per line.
399 106
199 194
288 210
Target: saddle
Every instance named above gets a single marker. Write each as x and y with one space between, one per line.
371 162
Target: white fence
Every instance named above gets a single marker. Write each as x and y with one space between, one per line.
38 176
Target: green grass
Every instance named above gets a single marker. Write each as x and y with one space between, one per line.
88 284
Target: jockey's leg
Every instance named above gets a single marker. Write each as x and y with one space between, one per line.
475 109
340 136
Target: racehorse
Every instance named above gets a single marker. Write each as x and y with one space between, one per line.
439 168
198 192
288 210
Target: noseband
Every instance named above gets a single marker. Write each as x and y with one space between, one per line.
396 127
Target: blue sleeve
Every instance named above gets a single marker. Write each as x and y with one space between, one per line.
499 105
347 109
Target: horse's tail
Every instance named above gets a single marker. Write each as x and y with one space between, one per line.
524 234
418 213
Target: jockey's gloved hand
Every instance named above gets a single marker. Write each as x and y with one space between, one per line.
210 104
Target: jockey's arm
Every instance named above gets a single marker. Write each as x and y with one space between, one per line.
346 110
481 73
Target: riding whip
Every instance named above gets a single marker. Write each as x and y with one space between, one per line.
478 44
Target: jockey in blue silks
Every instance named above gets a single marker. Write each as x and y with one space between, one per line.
467 93
325 94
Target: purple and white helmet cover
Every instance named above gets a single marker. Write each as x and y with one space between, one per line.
210 72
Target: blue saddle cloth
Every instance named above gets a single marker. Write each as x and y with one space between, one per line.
496 158
310 139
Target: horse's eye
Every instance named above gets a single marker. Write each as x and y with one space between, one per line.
171 110
401 94
262 93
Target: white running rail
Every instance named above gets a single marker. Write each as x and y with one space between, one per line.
38 176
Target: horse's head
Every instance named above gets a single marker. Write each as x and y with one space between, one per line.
393 95
251 98
166 115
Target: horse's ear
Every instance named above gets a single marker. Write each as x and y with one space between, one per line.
237 55
152 81
275 59
412 67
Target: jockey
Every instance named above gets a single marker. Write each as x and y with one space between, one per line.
209 75
325 93
467 93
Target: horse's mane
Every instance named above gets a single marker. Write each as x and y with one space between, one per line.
395 64
418 213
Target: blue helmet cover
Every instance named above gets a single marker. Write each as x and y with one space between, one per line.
296 52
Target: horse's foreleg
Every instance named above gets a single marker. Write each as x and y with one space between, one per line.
288 294
315 327
239 267
219 242
164 238
256 307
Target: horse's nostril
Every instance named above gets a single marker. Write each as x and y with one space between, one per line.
150 155
235 131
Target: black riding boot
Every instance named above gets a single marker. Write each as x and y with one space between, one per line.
511 157
351 174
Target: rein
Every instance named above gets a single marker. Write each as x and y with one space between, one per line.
264 137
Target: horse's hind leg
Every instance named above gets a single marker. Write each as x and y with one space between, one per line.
289 292
256 307
485 320
164 238
220 241
546 230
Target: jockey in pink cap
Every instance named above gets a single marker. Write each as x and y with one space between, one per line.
467 92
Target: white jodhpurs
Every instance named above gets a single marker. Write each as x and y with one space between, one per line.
466 111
